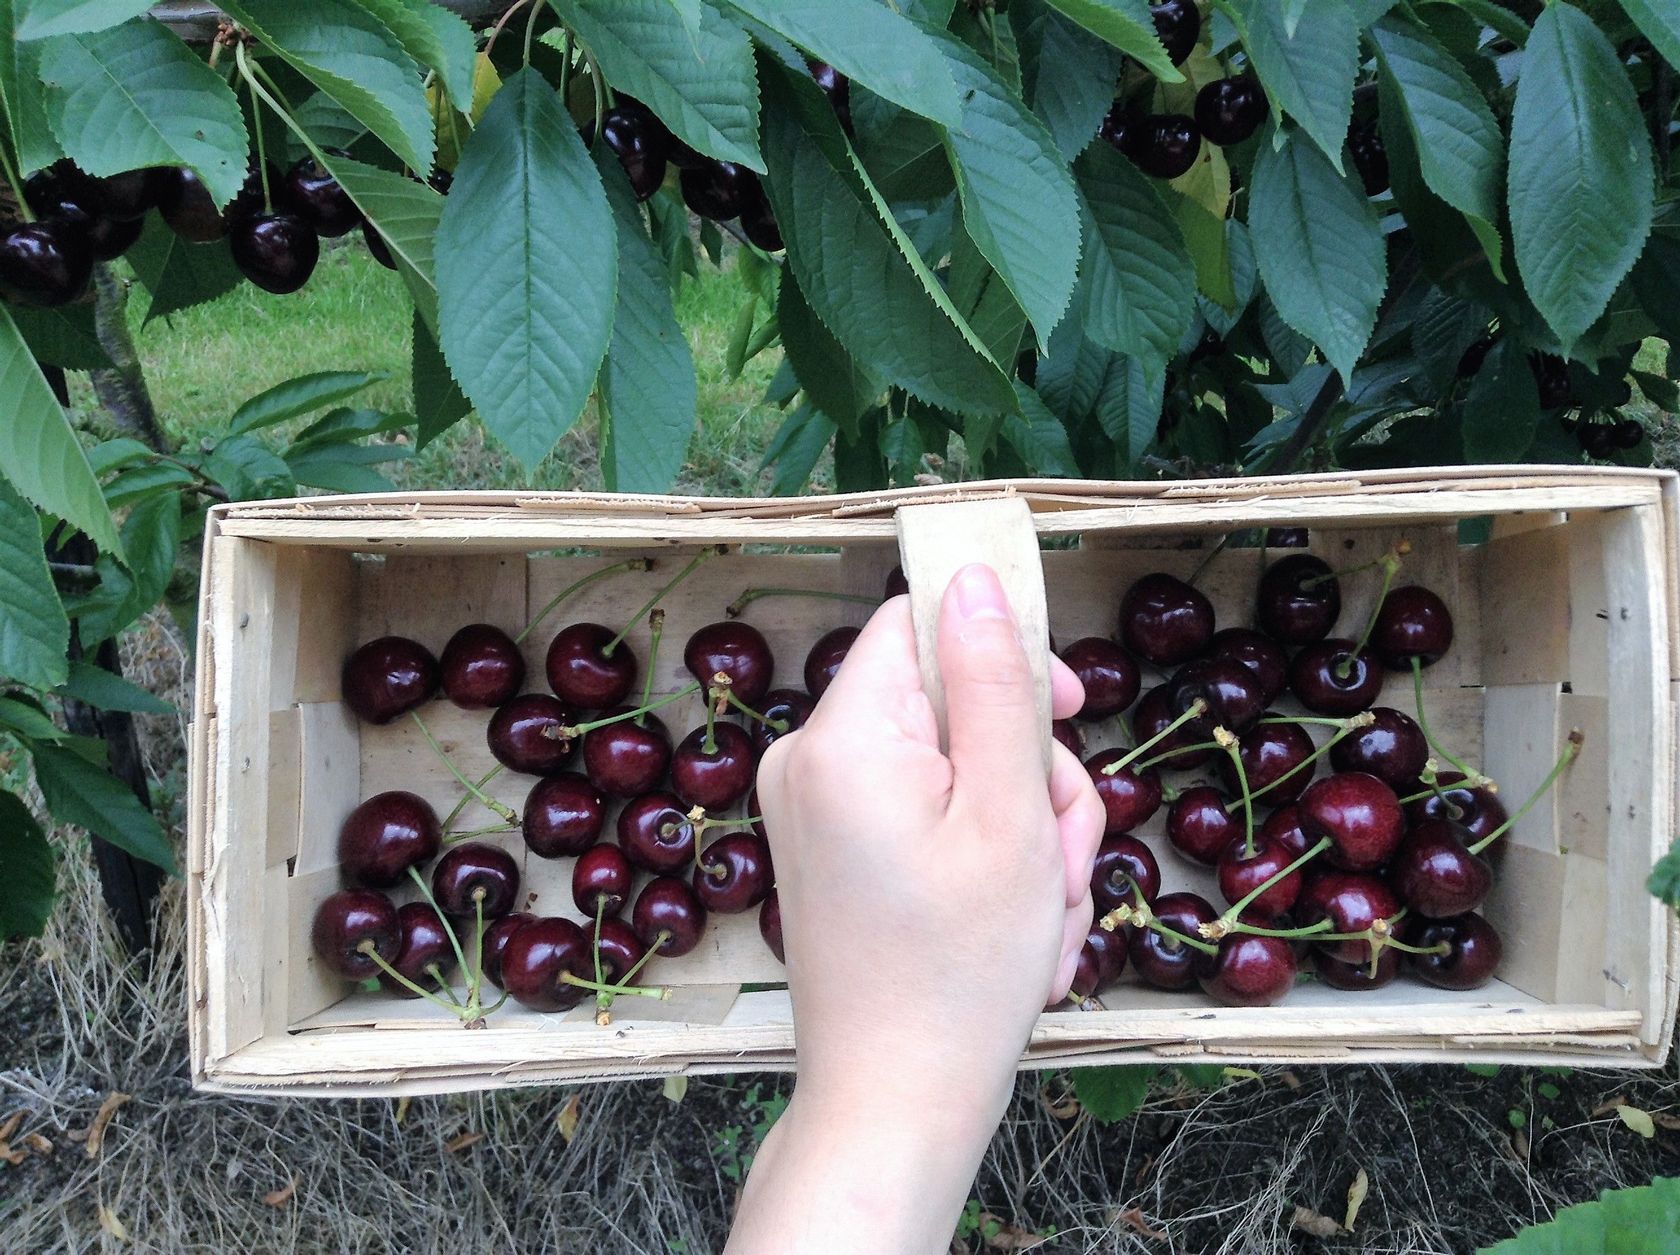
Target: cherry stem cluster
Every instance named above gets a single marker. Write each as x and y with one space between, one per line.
1196 709
628 564
693 565
461 805
1228 742
501 808
1400 550
1472 778
1390 564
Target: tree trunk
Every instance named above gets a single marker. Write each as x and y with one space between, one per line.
121 387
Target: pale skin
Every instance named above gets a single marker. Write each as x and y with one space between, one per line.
932 904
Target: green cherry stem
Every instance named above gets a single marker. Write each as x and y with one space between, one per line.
1400 550
600 914
1226 741
1322 721
661 993
629 564
1202 566
709 745
455 838
722 694
1347 727
1141 916
531 28
366 946
460 806
475 974
448 928
570 731
678 578
436 973
1390 564
502 809
656 629
1243 903
1166 755
1196 708
1571 751
735 608
1472 778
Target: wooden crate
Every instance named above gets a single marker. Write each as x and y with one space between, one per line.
1565 619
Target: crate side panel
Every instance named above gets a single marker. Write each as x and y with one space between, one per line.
1526 595
318 592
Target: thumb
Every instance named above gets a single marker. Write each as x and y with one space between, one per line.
991 710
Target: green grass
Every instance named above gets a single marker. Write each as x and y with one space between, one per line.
355 315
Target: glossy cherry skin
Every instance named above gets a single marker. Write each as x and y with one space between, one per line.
110 238
1129 797
386 678
717 780
1067 732
1284 825
346 919
1291 611
377 248
739 651
1248 971
1229 110
734 873
475 873
627 758
668 917
44 263
1240 873
277 252
314 194
1357 977
1164 963
1164 145
1269 752
564 815
1109 674
188 208
1413 623
838 88
822 663
789 706
1352 902
1478 811
1228 691
1392 749
423 942
481 667
602 873
656 834
517 734
1259 653
1360 815
1165 620
584 677
385 836
1316 679
758 224
535 958
718 190
494 944
1153 714
638 140
1179 25
1435 873
126 197
1123 868
770 926
1199 826
1474 954
1101 960
619 947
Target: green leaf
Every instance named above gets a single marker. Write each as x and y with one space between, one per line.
1319 248
34 632
20 92
1309 75
1209 248
108 691
1127 25
1039 437
405 212
62 336
833 380
1658 21
353 57
23 716
436 38
1068 74
1642 1220
798 444
871 45
151 535
438 401
344 426
1018 200
39 451
1111 1094
137 96
300 395
142 481
700 80
1139 282
1460 149
37 19
1664 880
79 793
344 468
1580 179
178 274
1128 407
1502 406
526 279
648 388
249 470
26 869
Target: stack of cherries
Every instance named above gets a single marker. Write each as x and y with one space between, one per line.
1382 863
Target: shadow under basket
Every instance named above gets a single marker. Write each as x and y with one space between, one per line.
1564 608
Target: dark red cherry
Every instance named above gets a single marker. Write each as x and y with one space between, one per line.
718 189
388 677
475 873
1269 752
1286 537
249 202
1117 126
1478 811
385 836
1435 873
1296 604
1551 376
822 664
1153 714
718 779
1284 825
44 263
838 88
126 197
1248 971
481 667
1413 623
106 238
758 224
1179 25
1360 815
627 758
789 706
601 874
316 196
346 919
1110 676
537 956
188 208
1392 749
1358 977
277 252
1161 961
656 833
1259 653
423 942
1330 678
1474 951
1124 868
584 677
1370 158
516 734
1164 145
377 248
620 949
1229 110
739 651
770 926
639 141
564 815
668 917
1101 960
1165 620
1352 902
1228 691
1067 732
1129 797
897 585
1240 873
494 945
1199 826
734 874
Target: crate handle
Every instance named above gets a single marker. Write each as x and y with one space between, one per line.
935 541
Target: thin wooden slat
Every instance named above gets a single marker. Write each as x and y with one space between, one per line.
1526 578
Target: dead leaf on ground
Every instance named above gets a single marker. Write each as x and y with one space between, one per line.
39 1144
676 1087
13 1122
1356 1198
1008 1237
1059 1101
112 1224
960 1247
13 1155
1289 1079
1519 1145
1134 1219
96 1130
1142 1174
1640 1121
461 1141
281 1196
566 1119
1309 1221
402 1108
